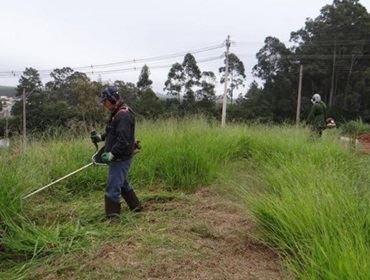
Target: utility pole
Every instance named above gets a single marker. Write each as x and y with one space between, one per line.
299 94
223 118
24 118
333 76
24 98
7 124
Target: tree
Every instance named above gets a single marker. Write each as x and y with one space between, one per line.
207 84
273 60
206 94
69 96
85 95
63 83
41 113
275 68
236 74
334 48
191 76
30 81
254 105
60 77
148 104
144 82
175 81
128 92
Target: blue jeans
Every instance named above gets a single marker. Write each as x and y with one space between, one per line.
117 179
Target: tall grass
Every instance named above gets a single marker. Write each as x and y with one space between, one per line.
355 128
313 207
185 155
175 155
19 173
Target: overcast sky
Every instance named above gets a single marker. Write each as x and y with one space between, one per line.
49 34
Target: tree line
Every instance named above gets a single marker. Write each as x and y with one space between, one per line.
71 98
334 49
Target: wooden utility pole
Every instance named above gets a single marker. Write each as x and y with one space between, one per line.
223 117
24 98
24 117
297 119
7 124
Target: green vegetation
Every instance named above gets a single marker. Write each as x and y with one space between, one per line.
310 199
355 128
175 155
315 204
7 91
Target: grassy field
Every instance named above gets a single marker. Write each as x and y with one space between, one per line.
309 199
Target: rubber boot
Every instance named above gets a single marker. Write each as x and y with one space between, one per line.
112 209
132 201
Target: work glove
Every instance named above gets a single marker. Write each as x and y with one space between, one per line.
95 137
107 157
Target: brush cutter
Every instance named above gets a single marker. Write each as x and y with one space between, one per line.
95 160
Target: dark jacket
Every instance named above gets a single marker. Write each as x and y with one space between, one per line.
120 133
317 116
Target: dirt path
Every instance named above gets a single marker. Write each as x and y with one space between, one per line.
197 236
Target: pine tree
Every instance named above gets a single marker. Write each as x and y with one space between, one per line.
30 81
144 82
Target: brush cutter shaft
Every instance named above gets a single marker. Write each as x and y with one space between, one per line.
60 179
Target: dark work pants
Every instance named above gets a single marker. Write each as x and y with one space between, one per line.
117 179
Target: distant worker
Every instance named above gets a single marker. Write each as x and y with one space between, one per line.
120 146
317 117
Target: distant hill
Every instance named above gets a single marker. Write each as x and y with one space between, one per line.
163 96
7 91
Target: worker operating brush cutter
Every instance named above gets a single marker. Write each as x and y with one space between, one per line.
317 116
119 149
120 146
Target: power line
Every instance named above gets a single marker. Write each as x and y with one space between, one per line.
136 68
121 70
311 56
126 62
310 43
151 59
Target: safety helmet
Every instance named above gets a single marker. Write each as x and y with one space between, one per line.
110 93
316 98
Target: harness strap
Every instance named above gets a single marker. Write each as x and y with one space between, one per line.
123 109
